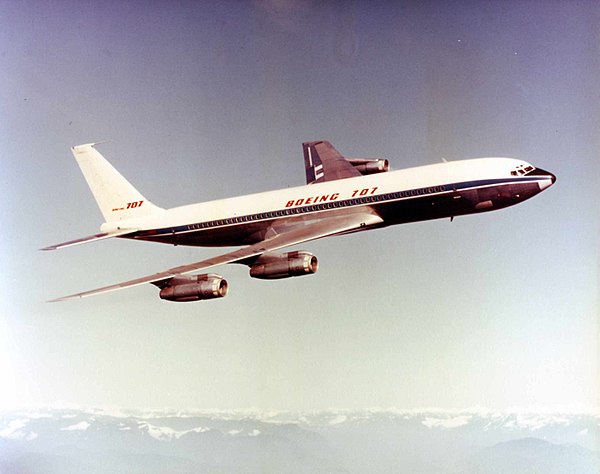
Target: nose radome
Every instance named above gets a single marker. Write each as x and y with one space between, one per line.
550 175
545 184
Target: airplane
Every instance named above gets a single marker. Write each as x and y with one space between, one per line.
341 196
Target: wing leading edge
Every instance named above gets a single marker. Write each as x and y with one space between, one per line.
302 233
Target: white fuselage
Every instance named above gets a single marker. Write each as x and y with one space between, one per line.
426 192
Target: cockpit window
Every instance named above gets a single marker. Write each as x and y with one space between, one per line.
522 170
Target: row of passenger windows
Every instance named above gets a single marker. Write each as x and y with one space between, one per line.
318 207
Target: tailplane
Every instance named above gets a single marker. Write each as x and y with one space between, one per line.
116 197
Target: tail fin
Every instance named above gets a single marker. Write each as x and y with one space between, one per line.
116 197
322 162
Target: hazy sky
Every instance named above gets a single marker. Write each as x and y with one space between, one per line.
203 100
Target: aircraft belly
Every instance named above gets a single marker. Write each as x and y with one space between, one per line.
415 209
457 203
227 236
508 194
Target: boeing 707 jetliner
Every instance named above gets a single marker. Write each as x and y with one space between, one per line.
341 196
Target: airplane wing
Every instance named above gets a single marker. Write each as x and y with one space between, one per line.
91 238
303 232
324 163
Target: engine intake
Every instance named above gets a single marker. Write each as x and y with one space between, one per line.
193 288
273 266
370 166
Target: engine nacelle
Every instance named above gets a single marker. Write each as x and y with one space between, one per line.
273 266
370 166
194 288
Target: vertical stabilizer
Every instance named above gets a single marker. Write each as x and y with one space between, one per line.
323 162
116 197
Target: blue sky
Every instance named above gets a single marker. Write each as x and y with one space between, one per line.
204 100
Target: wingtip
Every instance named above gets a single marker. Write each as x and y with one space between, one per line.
64 298
89 145
82 146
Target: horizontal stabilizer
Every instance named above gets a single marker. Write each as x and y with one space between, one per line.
90 238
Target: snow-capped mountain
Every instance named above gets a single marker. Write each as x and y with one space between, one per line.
78 440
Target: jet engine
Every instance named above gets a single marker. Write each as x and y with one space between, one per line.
273 266
370 166
193 288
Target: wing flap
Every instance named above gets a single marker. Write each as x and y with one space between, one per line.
303 233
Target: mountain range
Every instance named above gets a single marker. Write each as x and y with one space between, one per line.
69 440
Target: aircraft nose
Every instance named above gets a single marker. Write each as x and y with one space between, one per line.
541 172
550 175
